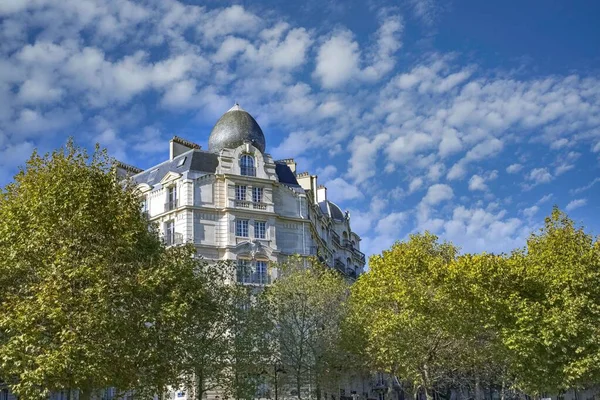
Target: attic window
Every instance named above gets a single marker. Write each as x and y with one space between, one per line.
181 162
152 175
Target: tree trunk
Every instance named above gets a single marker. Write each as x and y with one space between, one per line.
318 389
299 385
477 388
85 394
199 384
426 382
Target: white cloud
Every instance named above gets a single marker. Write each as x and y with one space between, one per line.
477 183
477 229
576 204
585 187
327 172
362 164
530 211
438 193
337 60
340 190
415 185
539 175
391 224
514 168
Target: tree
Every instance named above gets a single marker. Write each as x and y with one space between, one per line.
90 295
553 338
403 313
308 308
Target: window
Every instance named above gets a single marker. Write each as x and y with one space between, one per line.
257 194
260 230
243 271
241 227
240 192
170 232
260 276
144 204
252 272
171 203
247 165
181 162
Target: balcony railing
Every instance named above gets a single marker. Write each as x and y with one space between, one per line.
173 239
359 254
335 238
339 265
351 273
256 278
171 205
249 204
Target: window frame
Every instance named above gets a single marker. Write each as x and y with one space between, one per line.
257 194
247 165
260 233
241 192
239 228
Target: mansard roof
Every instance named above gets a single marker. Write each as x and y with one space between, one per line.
287 177
193 160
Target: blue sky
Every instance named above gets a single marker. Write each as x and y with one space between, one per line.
470 119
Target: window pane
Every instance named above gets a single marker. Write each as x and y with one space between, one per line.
257 194
243 271
241 227
240 192
261 229
247 165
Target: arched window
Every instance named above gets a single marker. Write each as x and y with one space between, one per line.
247 165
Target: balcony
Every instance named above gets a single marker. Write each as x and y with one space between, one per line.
171 239
359 254
171 205
250 205
339 265
254 278
335 238
351 273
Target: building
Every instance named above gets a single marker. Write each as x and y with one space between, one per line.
234 202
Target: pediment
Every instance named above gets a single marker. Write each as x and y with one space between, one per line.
252 248
143 188
170 176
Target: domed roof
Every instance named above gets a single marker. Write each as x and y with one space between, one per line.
332 210
235 128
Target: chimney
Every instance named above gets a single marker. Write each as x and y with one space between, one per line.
178 146
290 163
126 170
321 193
308 183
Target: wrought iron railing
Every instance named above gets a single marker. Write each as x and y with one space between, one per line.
245 275
171 205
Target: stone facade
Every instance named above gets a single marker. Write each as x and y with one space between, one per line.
237 203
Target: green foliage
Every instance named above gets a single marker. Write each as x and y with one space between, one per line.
308 304
90 295
527 322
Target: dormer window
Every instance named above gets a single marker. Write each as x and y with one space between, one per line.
247 165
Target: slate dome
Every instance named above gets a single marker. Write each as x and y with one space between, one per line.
235 128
